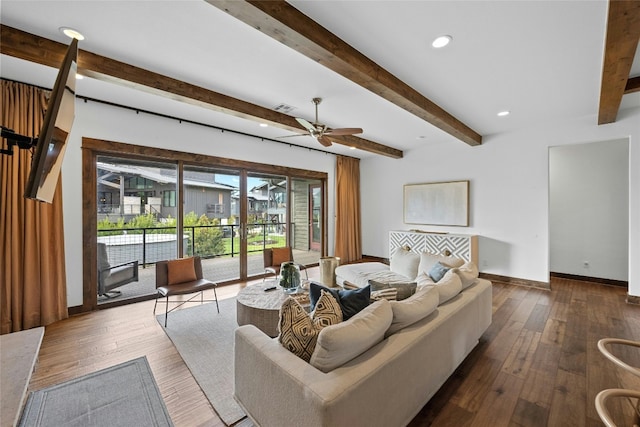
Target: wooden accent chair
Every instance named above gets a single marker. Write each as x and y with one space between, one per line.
633 396
273 257
179 277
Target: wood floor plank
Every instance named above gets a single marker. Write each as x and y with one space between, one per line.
499 404
520 357
569 402
536 365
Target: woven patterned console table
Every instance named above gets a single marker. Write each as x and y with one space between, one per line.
261 308
462 246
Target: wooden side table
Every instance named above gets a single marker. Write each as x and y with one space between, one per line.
255 306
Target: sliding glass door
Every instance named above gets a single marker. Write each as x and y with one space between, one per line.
211 220
266 219
136 211
149 205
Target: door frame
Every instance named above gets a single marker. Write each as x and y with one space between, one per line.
92 148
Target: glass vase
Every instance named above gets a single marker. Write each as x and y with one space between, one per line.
289 277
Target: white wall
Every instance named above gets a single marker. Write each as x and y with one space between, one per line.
94 120
589 209
509 206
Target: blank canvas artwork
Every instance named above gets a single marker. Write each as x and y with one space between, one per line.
438 203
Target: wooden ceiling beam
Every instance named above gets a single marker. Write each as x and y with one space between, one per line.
47 52
284 23
623 32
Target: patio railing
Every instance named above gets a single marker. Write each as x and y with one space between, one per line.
152 244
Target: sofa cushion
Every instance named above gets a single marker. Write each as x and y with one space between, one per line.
468 273
405 262
438 271
180 271
449 286
428 260
404 289
351 300
299 331
409 311
337 344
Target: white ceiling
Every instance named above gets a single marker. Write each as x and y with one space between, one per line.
541 60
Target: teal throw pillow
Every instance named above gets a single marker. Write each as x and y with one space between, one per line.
351 300
438 271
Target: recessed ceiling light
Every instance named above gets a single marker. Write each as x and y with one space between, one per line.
71 33
264 125
352 148
79 76
503 113
441 41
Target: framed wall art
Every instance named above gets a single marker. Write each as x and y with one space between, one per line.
437 203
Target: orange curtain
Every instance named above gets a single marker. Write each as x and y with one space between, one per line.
32 264
348 233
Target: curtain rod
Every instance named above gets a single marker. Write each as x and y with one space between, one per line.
166 116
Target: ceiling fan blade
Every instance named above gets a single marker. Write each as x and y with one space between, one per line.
343 131
324 141
308 126
290 136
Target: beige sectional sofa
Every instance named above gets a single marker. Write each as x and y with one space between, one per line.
386 385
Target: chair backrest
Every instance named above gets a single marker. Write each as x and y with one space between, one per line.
273 257
162 271
103 258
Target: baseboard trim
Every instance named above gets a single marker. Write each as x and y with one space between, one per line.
516 281
600 280
633 299
76 309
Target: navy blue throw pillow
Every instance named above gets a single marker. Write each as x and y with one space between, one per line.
351 300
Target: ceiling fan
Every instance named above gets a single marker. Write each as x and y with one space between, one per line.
320 131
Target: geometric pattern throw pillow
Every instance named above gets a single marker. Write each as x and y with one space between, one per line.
299 331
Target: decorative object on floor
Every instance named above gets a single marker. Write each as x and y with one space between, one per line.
289 276
179 277
205 343
122 395
328 266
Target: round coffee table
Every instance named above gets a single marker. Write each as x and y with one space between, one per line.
255 306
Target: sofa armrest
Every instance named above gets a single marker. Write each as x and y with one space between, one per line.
273 385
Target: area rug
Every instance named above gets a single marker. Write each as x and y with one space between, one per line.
204 340
122 395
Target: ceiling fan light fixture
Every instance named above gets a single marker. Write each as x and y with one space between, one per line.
71 33
441 41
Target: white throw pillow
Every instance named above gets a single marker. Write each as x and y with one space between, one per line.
449 286
337 344
405 262
468 273
416 307
428 260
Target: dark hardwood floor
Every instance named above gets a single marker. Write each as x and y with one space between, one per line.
536 365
